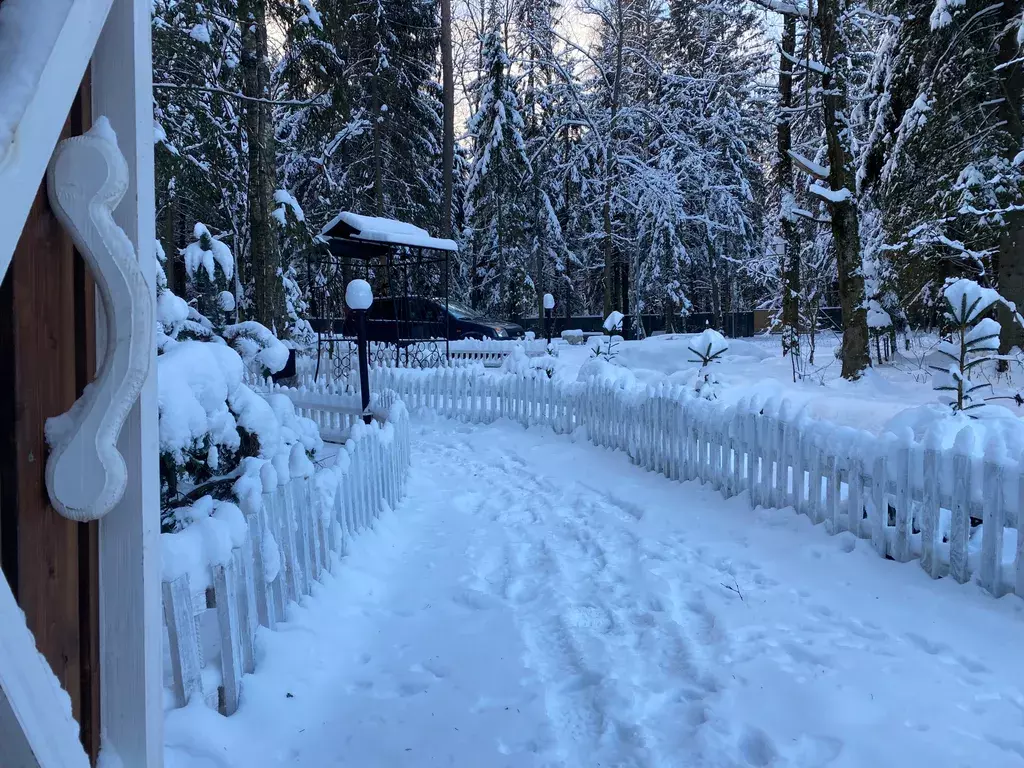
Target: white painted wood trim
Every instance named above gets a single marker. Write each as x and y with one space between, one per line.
130 608
85 475
36 726
23 163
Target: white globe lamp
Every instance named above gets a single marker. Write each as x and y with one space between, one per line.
358 295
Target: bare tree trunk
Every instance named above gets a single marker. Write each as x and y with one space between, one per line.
1010 271
842 179
716 287
268 292
448 138
610 274
170 243
790 256
378 160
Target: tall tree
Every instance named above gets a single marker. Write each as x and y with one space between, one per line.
497 204
448 139
266 303
833 16
789 247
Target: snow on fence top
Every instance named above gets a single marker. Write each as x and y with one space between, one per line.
375 229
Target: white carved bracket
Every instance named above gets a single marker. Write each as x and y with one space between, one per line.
85 473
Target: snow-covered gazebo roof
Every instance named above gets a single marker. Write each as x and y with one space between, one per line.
383 232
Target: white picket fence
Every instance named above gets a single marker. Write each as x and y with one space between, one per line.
490 353
211 633
912 500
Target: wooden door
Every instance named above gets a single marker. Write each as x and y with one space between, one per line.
47 355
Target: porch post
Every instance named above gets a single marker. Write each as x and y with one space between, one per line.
130 617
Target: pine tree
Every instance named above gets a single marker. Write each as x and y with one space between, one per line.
548 251
945 113
210 267
498 213
372 142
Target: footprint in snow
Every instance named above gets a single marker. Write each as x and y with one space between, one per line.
757 747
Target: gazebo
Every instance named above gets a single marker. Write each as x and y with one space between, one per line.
401 261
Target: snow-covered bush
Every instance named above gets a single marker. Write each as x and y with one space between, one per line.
972 341
612 323
708 347
210 267
256 343
519 363
214 430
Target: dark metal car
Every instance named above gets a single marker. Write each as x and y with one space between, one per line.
413 318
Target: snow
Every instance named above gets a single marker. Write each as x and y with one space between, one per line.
194 381
358 294
389 231
832 195
102 129
218 255
256 342
171 310
312 15
754 367
877 316
614 321
809 166
211 529
967 296
537 601
709 344
984 336
942 13
285 198
200 33
28 33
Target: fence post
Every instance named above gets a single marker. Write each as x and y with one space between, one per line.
247 622
227 624
930 507
264 603
855 496
990 576
879 481
832 491
901 545
1019 564
960 524
179 615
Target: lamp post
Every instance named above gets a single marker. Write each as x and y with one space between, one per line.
549 305
359 297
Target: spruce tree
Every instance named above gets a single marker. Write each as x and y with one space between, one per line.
498 212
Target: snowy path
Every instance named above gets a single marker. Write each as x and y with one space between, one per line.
539 602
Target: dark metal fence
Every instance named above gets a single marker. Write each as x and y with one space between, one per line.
735 324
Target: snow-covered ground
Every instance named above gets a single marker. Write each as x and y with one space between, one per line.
540 602
756 367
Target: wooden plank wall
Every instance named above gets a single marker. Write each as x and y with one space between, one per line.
47 355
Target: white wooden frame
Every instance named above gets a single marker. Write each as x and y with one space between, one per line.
34 731
36 727
131 686
23 163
